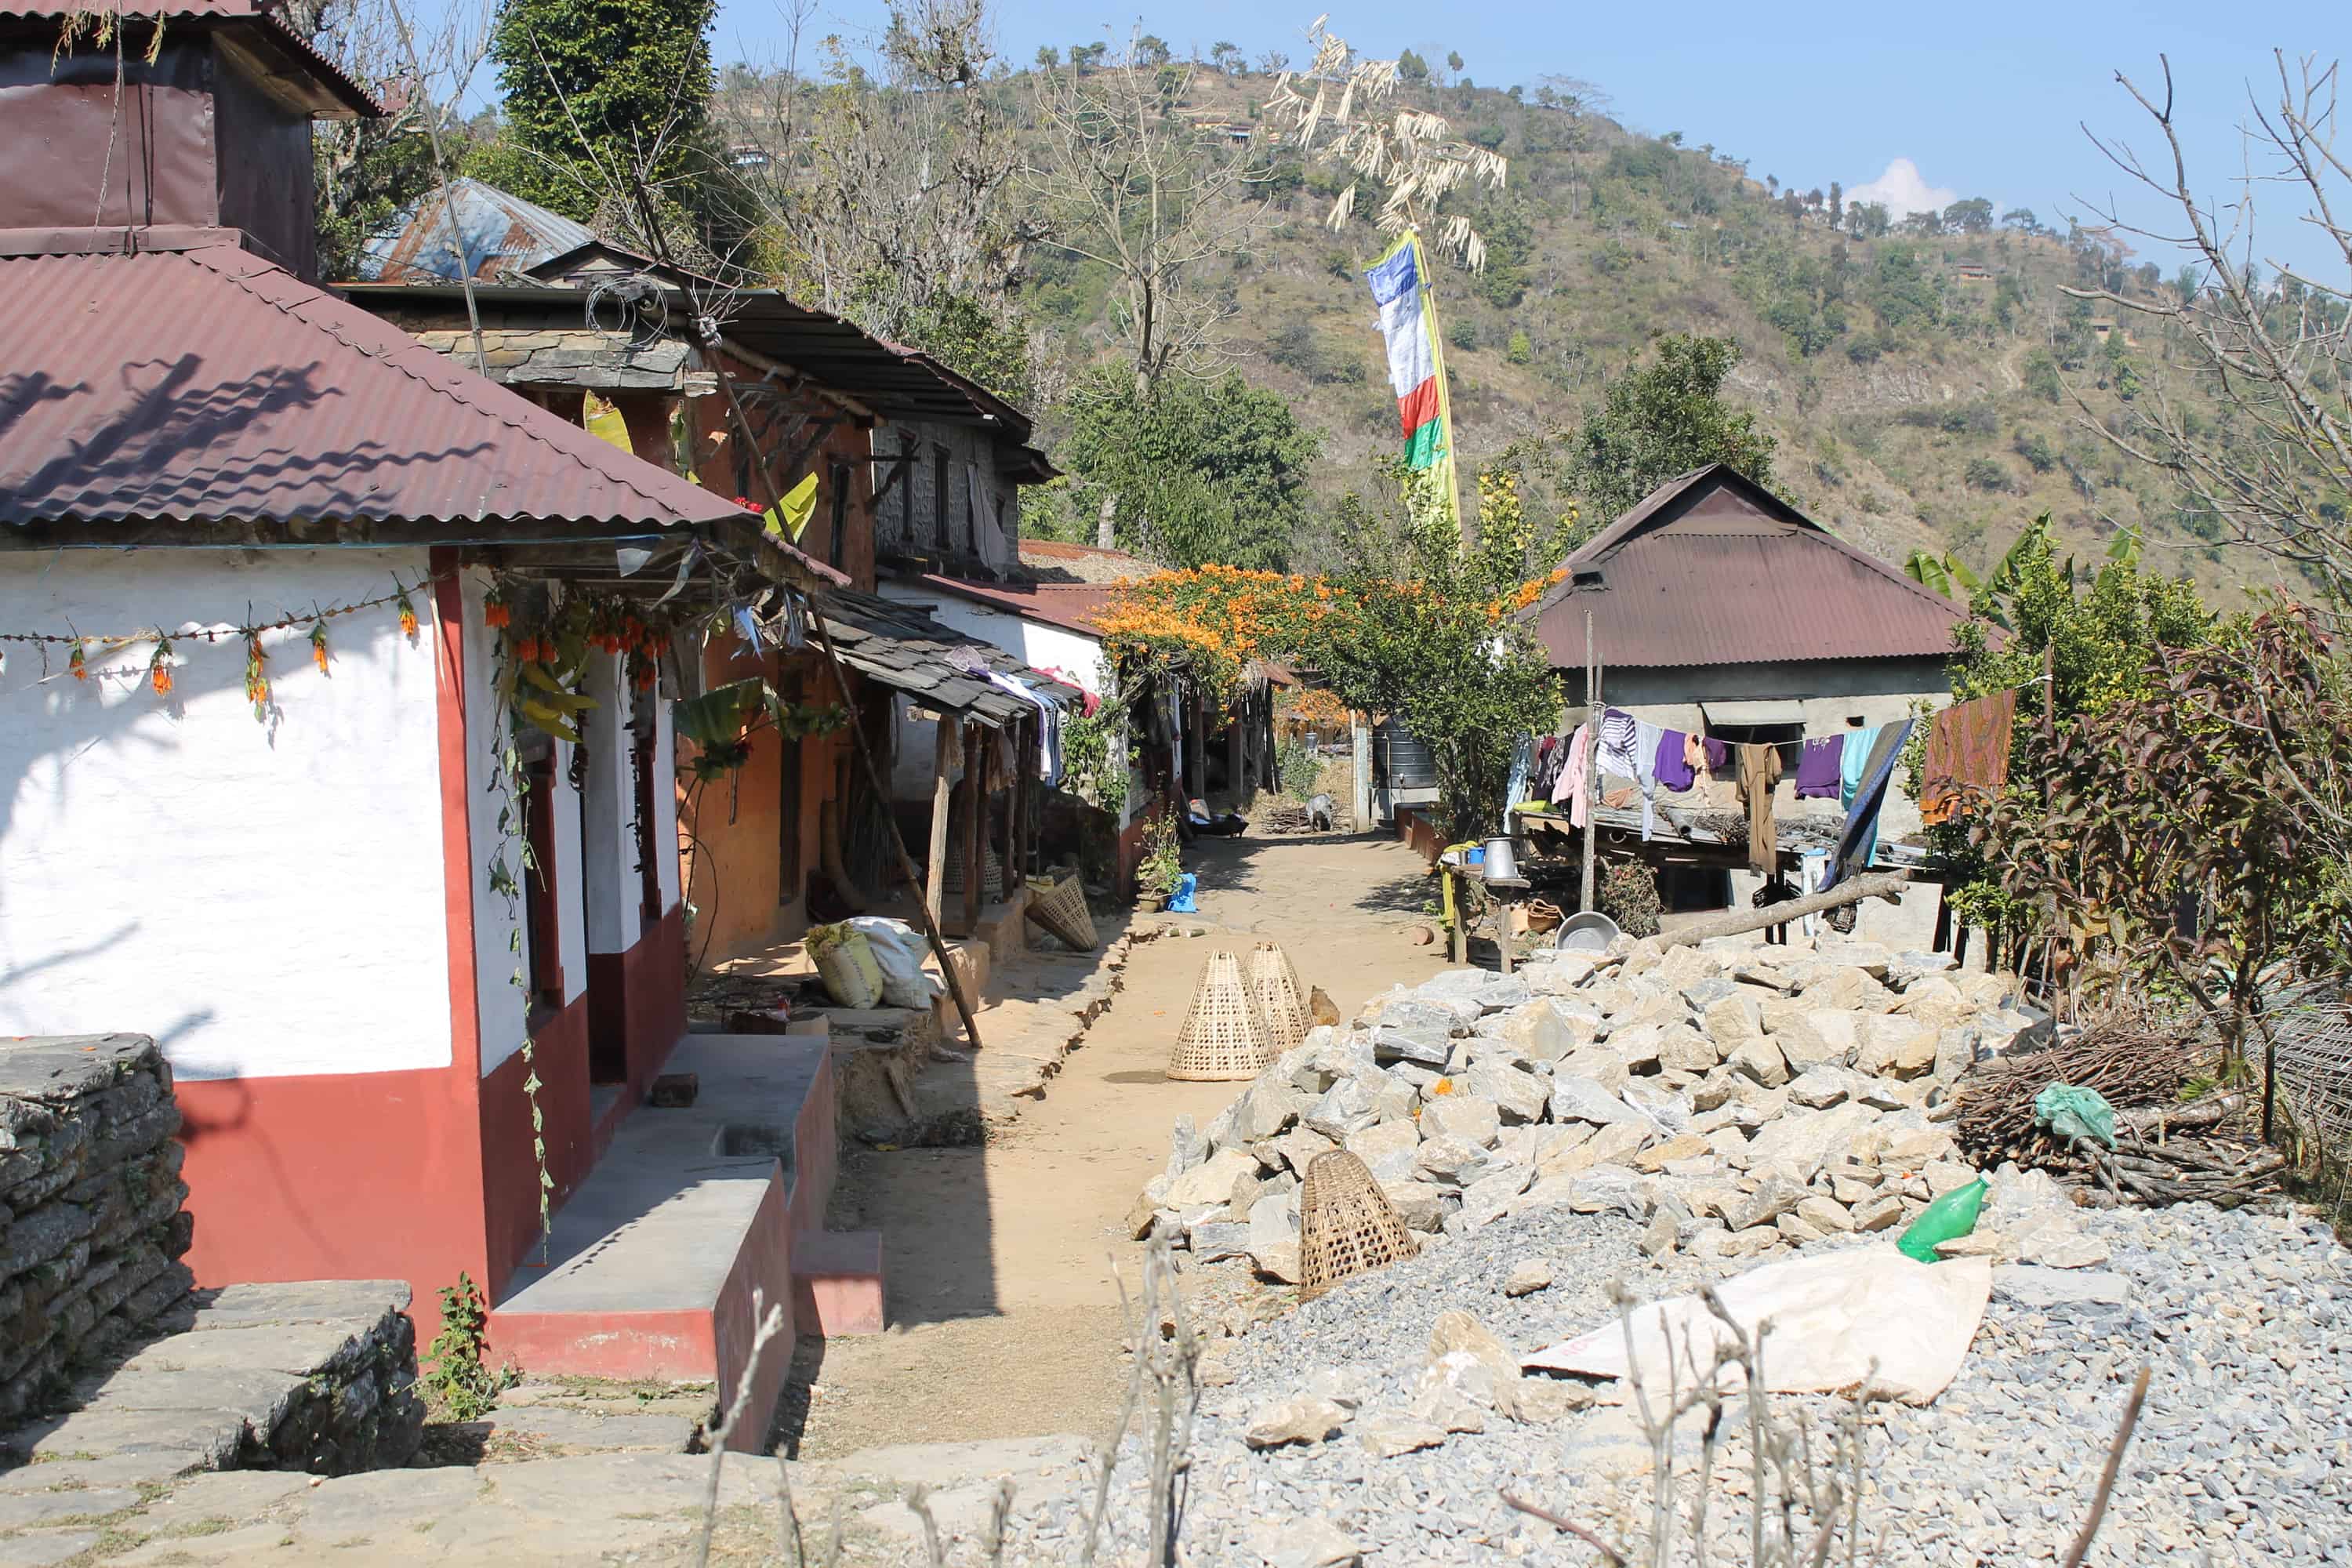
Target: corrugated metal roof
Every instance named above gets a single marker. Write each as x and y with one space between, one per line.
1711 568
211 386
1070 606
259 14
496 233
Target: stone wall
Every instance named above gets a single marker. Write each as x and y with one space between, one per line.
90 1194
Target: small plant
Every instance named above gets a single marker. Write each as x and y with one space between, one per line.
1163 860
1300 768
461 1382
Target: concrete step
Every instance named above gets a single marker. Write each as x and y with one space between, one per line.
655 1259
837 1282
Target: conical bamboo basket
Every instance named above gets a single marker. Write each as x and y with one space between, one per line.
1280 997
1347 1225
1061 908
1223 1034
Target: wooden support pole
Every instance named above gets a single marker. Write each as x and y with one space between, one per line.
942 781
1592 761
875 782
975 826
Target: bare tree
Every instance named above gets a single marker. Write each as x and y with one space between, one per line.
1412 156
1123 181
360 177
2274 472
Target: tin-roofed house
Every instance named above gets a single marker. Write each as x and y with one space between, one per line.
1719 609
335 728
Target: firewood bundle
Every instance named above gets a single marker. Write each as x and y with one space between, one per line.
2134 1057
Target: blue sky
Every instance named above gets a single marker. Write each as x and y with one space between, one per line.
1983 99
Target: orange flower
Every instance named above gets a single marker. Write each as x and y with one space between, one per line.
159 669
319 645
73 662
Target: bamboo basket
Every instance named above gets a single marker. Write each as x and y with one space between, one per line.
1347 1225
992 872
1223 1034
1061 908
1280 997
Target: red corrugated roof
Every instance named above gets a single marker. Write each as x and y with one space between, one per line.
1070 606
211 386
1711 568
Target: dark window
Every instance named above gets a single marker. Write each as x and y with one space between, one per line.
838 477
939 497
641 763
543 943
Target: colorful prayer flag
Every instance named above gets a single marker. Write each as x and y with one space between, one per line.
1399 283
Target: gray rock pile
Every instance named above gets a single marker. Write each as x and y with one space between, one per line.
91 1188
1737 1101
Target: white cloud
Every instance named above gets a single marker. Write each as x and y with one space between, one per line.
1903 191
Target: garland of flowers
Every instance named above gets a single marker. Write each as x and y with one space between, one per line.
156 668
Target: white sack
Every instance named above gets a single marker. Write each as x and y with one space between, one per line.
899 952
1832 1314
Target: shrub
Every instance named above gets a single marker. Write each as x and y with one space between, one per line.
1628 893
1462 333
1521 351
1985 474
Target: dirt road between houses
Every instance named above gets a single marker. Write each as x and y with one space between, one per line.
1004 1318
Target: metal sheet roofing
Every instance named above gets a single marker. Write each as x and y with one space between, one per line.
1711 568
902 646
1073 606
340 94
211 386
497 232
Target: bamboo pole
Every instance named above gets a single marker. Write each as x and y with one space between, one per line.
873 782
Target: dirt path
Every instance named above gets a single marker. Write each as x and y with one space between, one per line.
1005 1321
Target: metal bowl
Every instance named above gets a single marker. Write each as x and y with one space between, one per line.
1591 931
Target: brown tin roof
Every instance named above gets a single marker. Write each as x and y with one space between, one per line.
1712 568
1070 606
259 24
902 646
211 385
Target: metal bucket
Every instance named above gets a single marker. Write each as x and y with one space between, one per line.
1501 864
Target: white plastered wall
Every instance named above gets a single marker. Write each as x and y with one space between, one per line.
614 912
266 899
1040 646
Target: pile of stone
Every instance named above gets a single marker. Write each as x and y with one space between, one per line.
1738 1100
90 1189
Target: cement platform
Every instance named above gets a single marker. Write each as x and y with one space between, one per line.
655 1259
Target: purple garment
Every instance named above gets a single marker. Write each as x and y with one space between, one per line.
1719 754
1673 772
1817 768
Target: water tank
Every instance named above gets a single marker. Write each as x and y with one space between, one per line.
1401 760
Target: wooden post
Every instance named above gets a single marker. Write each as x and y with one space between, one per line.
942 780
975 821
875 782
1592 761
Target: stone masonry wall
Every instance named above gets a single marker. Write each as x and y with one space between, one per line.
89 1195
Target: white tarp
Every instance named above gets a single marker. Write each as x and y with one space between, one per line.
1831 1316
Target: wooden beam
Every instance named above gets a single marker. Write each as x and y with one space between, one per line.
1887 885
942 781
975 818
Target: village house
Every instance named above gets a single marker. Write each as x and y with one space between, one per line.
1719 609
891 438
340 737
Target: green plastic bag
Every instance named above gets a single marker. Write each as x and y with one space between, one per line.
2071 1113
1953 1215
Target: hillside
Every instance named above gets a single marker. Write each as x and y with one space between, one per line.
1911 379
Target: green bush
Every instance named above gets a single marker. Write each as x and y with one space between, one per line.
1521 351
1463 333
1300 768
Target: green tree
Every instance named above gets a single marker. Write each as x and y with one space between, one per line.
1426 640
1199 472
1226 55
1519 351
1412 68
1662 420
594 88
1971 215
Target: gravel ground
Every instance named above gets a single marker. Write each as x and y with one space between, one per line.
2244 1454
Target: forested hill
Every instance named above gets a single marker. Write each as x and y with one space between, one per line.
1912 379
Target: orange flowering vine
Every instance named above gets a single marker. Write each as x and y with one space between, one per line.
319 645
159 668
74 663
257 677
